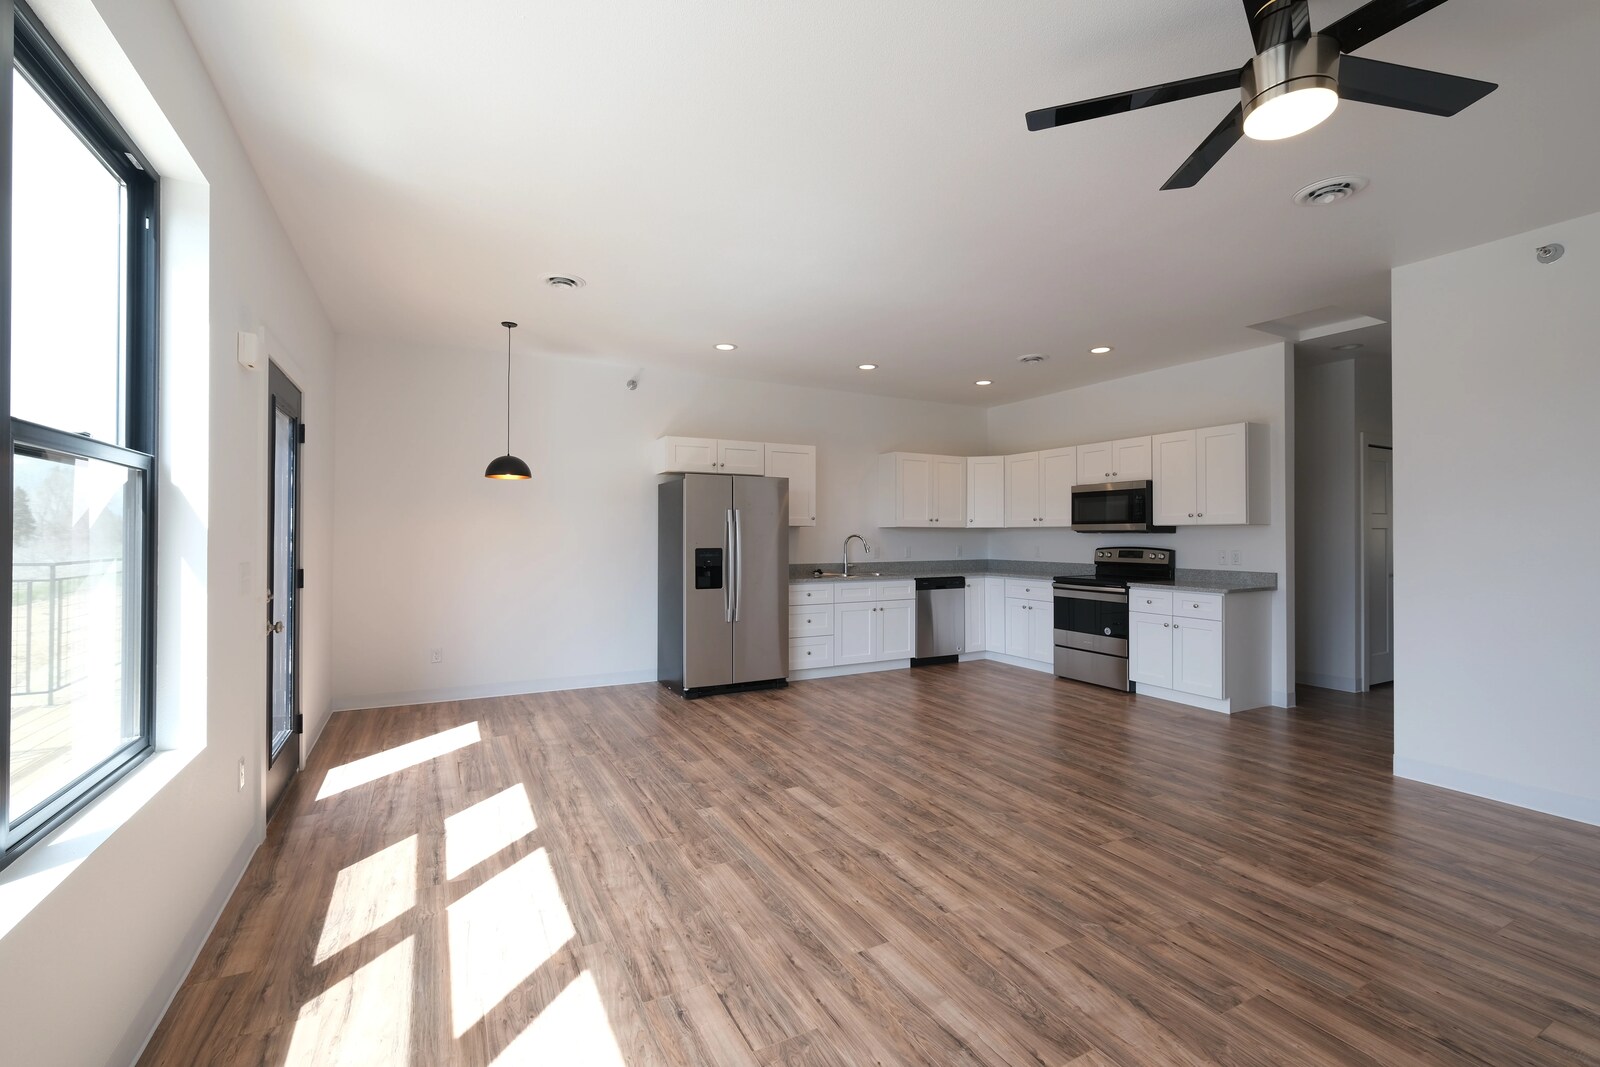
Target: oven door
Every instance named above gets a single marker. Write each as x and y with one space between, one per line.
1092 620
1112 506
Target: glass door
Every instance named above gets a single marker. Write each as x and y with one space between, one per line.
283 588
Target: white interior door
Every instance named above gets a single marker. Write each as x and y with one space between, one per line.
1377 491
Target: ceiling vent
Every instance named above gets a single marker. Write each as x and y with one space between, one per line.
565 281
1330 190
1032 359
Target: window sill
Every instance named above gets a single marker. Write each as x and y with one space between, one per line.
30 880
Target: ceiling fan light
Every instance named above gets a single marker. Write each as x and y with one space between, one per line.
1290 113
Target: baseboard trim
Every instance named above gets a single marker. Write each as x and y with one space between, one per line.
1340 682
1547 801
479 692
193 945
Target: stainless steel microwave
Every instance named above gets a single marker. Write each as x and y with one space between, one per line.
1116 507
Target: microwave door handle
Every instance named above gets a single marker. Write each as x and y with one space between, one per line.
738 565
727 567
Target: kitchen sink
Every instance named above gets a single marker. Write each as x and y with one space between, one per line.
851 577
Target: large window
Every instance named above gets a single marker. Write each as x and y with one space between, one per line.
80 377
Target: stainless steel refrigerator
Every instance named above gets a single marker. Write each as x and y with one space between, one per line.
723 577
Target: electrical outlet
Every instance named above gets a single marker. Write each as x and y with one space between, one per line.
1222 557
436 656
241 774
1237 558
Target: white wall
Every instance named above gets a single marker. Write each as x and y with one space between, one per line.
1327 500
87 968
1253 386
1496 385
551 583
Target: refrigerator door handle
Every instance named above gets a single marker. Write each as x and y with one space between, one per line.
738 565
727 567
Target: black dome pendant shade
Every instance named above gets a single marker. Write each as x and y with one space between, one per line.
508 468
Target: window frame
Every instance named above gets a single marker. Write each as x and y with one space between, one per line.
28 47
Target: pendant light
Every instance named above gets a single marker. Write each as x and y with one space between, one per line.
508 468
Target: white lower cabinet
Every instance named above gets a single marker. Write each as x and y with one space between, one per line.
976 588
808 652
1205 649
1030 630
845 623
853 640
1150 649
896 620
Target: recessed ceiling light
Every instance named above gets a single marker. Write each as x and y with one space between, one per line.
1032 359
1351 347
867 366
983 381
724 348
1330 190
1099 350
564 281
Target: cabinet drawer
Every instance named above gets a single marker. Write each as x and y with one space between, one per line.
1150 601
855 592
815 593
808 652
1197 605
1021 589
811 622
895 590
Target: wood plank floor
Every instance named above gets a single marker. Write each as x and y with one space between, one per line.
972 865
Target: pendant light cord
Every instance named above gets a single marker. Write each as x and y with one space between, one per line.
509 327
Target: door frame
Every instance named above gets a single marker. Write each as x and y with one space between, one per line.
280 387
1365 440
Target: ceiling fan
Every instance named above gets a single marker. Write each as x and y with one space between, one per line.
1295 80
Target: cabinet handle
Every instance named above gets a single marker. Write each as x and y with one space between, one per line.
1199 514
1197 605
1165 624
1175 626
1191 514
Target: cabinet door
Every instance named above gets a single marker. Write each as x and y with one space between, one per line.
986 491
1041 633
853 626
1018 615
994 615
690 455
1058 472
896 629
1022 489
974 641
1150 649
741 457
798 463
1197 657
949 491
1094 463
1222 496
1130 459
1172 457
913 489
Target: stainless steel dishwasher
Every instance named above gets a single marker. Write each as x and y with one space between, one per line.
941 620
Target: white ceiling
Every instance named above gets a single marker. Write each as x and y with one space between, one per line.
835 182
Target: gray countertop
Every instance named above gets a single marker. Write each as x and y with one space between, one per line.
1188 581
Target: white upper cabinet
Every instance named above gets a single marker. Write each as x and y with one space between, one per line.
704 455
986 491
1022 489
924 490
1208 477
1127 460
741 457
1058 472
798 463
1038 487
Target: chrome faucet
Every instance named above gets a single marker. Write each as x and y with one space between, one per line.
865 548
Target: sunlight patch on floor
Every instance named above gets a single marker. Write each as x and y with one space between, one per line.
476 833
500 933
572 1031
371 768
367 894
363 1020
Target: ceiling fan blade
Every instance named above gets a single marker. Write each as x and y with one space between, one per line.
1213 148
1391 85
1049 117
1272 22
1370 21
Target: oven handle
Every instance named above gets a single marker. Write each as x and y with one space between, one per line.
1065 592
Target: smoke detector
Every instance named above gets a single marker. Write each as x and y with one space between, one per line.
565 281
1330 190
1032 358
